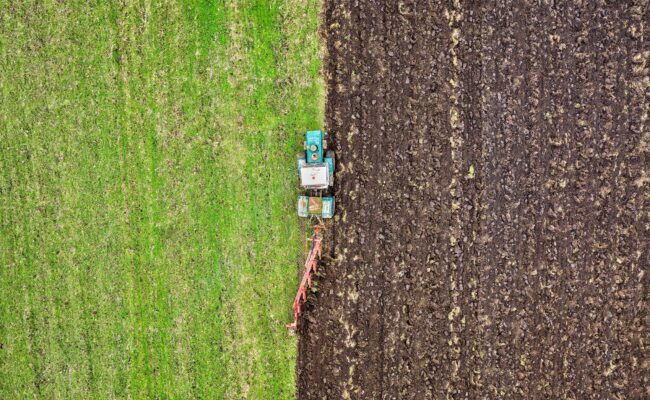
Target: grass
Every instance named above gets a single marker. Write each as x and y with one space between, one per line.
148 236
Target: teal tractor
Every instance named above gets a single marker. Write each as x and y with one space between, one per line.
316 171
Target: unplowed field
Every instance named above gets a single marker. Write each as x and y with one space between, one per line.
492 230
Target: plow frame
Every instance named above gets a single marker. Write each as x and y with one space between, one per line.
311 266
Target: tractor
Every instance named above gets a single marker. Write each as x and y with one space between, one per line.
316 172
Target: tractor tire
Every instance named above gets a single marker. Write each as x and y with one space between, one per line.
300 161
330 154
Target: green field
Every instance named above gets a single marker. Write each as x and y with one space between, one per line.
148 239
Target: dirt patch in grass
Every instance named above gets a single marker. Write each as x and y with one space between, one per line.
491 237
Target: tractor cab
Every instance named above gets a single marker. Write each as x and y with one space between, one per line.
316 172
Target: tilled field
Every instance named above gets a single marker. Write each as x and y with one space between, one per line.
492 230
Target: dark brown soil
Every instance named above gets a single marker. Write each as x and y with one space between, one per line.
492 231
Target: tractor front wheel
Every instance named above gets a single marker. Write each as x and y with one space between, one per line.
330 154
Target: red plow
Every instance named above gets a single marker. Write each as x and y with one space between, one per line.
311 266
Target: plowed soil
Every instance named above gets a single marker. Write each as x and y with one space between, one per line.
492 230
